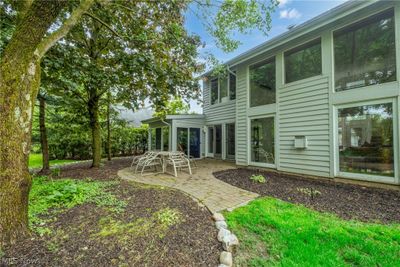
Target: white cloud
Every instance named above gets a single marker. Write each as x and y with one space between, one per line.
283 3
290 14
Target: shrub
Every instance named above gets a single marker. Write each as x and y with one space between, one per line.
258 178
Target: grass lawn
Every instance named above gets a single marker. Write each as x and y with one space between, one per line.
276 233
35 161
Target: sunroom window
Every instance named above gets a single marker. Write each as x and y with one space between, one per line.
303 61
366 139
365 52
262 83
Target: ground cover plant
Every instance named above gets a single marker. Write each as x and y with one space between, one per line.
277 233
35 161
104 221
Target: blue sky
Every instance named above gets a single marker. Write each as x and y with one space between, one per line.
288 13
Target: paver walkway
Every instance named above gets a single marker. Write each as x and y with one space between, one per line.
215 194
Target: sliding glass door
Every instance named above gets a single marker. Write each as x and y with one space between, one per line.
188 141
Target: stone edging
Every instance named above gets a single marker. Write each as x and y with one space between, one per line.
229 240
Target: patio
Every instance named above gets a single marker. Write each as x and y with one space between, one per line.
215 194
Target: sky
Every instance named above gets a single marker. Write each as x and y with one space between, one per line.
289 12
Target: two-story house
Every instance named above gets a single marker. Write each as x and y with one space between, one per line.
321 99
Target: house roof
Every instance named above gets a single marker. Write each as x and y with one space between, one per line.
175 117
313 24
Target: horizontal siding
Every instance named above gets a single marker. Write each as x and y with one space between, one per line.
241 117
303 109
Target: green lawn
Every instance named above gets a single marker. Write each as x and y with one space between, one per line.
276 233
35 161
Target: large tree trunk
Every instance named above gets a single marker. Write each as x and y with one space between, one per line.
20 78
93 108
43 134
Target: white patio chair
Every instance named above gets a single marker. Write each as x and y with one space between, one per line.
136 159
189 157
269 157
179 161
151 160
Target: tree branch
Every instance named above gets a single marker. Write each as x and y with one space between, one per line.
103 23
50 40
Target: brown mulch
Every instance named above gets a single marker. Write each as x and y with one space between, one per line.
74 240
346 201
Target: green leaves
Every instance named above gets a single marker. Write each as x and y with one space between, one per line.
235 16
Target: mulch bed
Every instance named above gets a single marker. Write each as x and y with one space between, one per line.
347 201
73 241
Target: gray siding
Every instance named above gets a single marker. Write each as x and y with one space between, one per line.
217 113
303 109
241 116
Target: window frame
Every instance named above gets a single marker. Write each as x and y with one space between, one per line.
360 176
299 47
262 164
270 59
228 96
353 24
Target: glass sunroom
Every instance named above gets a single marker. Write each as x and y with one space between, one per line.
177 133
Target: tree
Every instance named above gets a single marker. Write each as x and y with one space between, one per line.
39 25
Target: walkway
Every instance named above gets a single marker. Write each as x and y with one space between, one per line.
202 185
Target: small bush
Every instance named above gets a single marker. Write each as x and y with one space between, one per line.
52 196
311 192
258 178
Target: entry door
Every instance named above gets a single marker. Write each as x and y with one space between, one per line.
218 141
194 137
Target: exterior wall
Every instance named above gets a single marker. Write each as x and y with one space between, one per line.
304 110
219 112
308 107
241 116
188 123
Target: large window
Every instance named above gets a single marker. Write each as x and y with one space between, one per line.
262 83
366 139
365 52
263 140
303 61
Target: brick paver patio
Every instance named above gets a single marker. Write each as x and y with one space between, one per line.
202 185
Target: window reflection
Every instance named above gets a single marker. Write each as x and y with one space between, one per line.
262 140
365 52
366 139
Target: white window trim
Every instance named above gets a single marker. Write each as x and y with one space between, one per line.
368 177
261 164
